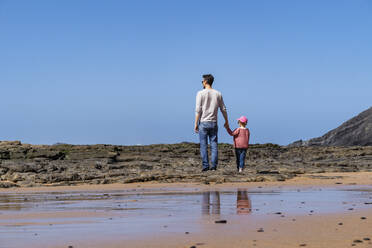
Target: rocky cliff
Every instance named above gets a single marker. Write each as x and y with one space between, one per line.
354 132
24 165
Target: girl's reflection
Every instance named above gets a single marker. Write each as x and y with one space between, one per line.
211 198
243 203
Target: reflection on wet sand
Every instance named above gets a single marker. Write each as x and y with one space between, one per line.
211 198
211 203
243 203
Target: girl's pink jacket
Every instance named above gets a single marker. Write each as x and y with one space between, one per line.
241 137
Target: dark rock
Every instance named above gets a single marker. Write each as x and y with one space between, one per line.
267 172
358 241
220 221
8 185
260 230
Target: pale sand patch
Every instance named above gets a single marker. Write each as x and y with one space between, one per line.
316 231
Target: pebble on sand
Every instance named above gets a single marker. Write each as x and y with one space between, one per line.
363 218
260 230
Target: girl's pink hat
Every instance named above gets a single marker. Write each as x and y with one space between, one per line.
243 119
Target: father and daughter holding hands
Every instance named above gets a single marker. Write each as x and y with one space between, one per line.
208 101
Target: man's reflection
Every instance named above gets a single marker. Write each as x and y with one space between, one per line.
211 198
243 203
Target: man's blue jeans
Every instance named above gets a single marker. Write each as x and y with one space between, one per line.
209 130
240 154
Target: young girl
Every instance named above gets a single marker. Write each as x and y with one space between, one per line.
241 141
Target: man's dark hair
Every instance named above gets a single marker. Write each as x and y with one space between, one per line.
209 78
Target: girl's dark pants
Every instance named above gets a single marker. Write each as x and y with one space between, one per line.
240 157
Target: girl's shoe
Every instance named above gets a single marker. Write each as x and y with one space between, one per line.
240 170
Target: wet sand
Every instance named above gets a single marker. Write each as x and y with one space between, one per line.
317 210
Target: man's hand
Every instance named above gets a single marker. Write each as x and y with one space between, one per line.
196 129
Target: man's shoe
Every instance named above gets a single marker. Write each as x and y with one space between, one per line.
205 169
214 168
240 170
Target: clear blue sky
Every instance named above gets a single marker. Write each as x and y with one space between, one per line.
127 72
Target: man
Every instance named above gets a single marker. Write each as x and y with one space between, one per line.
208 101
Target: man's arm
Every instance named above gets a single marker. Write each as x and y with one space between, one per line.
224 112
197 118
198 110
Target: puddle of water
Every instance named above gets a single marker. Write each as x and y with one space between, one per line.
42 218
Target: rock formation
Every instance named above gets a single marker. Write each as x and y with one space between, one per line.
24 165
354 132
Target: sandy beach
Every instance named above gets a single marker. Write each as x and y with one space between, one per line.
312 210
